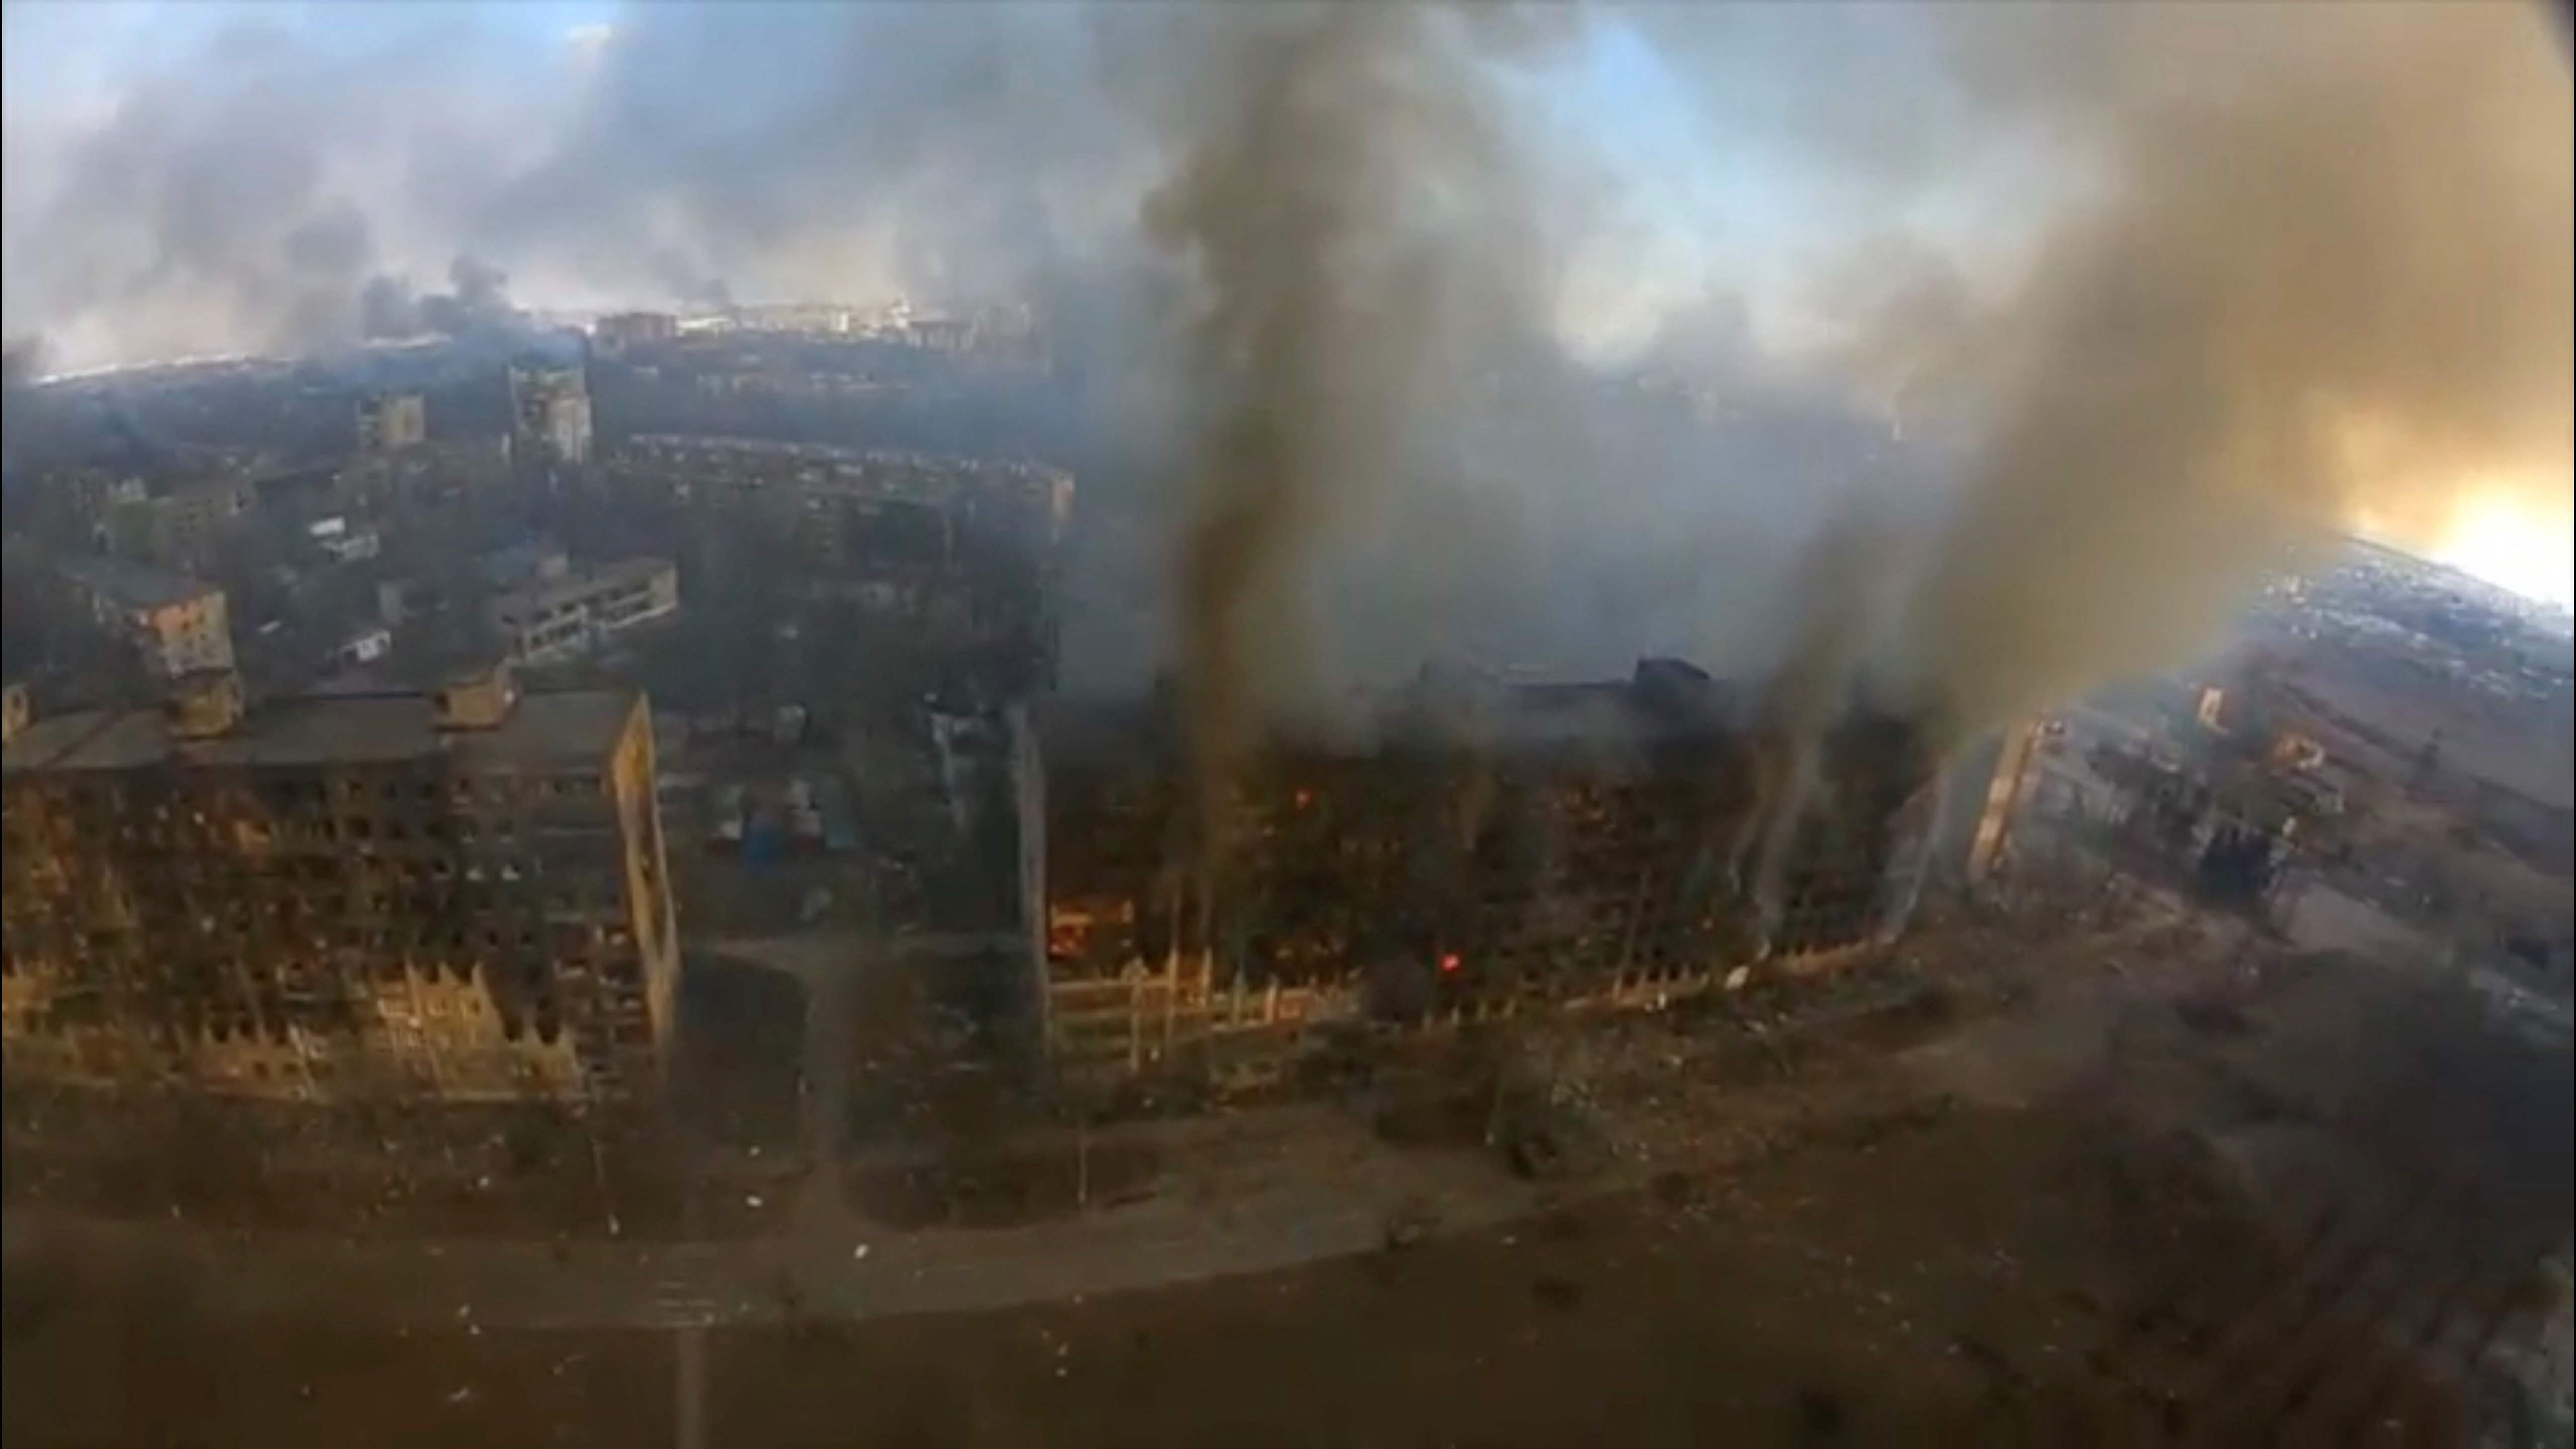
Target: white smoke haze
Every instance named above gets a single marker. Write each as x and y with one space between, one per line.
2090 312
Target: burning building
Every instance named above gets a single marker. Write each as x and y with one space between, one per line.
1487 848
454 897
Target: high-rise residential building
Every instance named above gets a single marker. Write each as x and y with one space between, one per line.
183 527
1486 848
621 330
392 422
551 413
455 896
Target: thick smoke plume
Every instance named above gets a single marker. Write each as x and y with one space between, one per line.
19 363
284 184
1355 216
262 196
2318 278
477 302
2288 269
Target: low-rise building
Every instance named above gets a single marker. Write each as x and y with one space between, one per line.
178 624
342 543
366 646
563 618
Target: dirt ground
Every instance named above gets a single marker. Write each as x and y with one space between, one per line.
2221 1205
1640 1322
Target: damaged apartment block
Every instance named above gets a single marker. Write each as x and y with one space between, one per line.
454 896
1485 849
2226 830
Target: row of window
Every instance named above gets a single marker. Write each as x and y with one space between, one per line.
203 802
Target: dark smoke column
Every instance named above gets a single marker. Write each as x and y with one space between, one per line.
1347 199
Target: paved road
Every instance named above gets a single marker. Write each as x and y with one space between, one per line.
1263 1193
1295 1188
1274 1213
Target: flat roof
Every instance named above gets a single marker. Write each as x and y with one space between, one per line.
1663 699
545 594
1013 468
552 729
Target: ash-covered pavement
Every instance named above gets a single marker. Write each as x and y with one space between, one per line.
2168 1199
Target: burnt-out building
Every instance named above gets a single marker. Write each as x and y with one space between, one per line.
457 896
2224 830
1481 849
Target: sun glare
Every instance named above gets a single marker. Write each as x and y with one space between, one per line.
2513 546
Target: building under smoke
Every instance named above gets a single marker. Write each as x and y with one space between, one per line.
958 555
619 331
1486 848
829 486
550 414
391 422
2225 830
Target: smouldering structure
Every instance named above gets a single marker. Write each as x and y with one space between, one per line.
1488 848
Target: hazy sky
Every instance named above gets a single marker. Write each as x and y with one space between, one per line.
1726 204
1717 196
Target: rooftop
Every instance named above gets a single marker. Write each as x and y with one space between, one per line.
511 565
543 730
841 454
134 585
1663 700
536 598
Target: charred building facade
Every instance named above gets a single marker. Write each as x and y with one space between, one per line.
457 896
1489 849
2224 830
